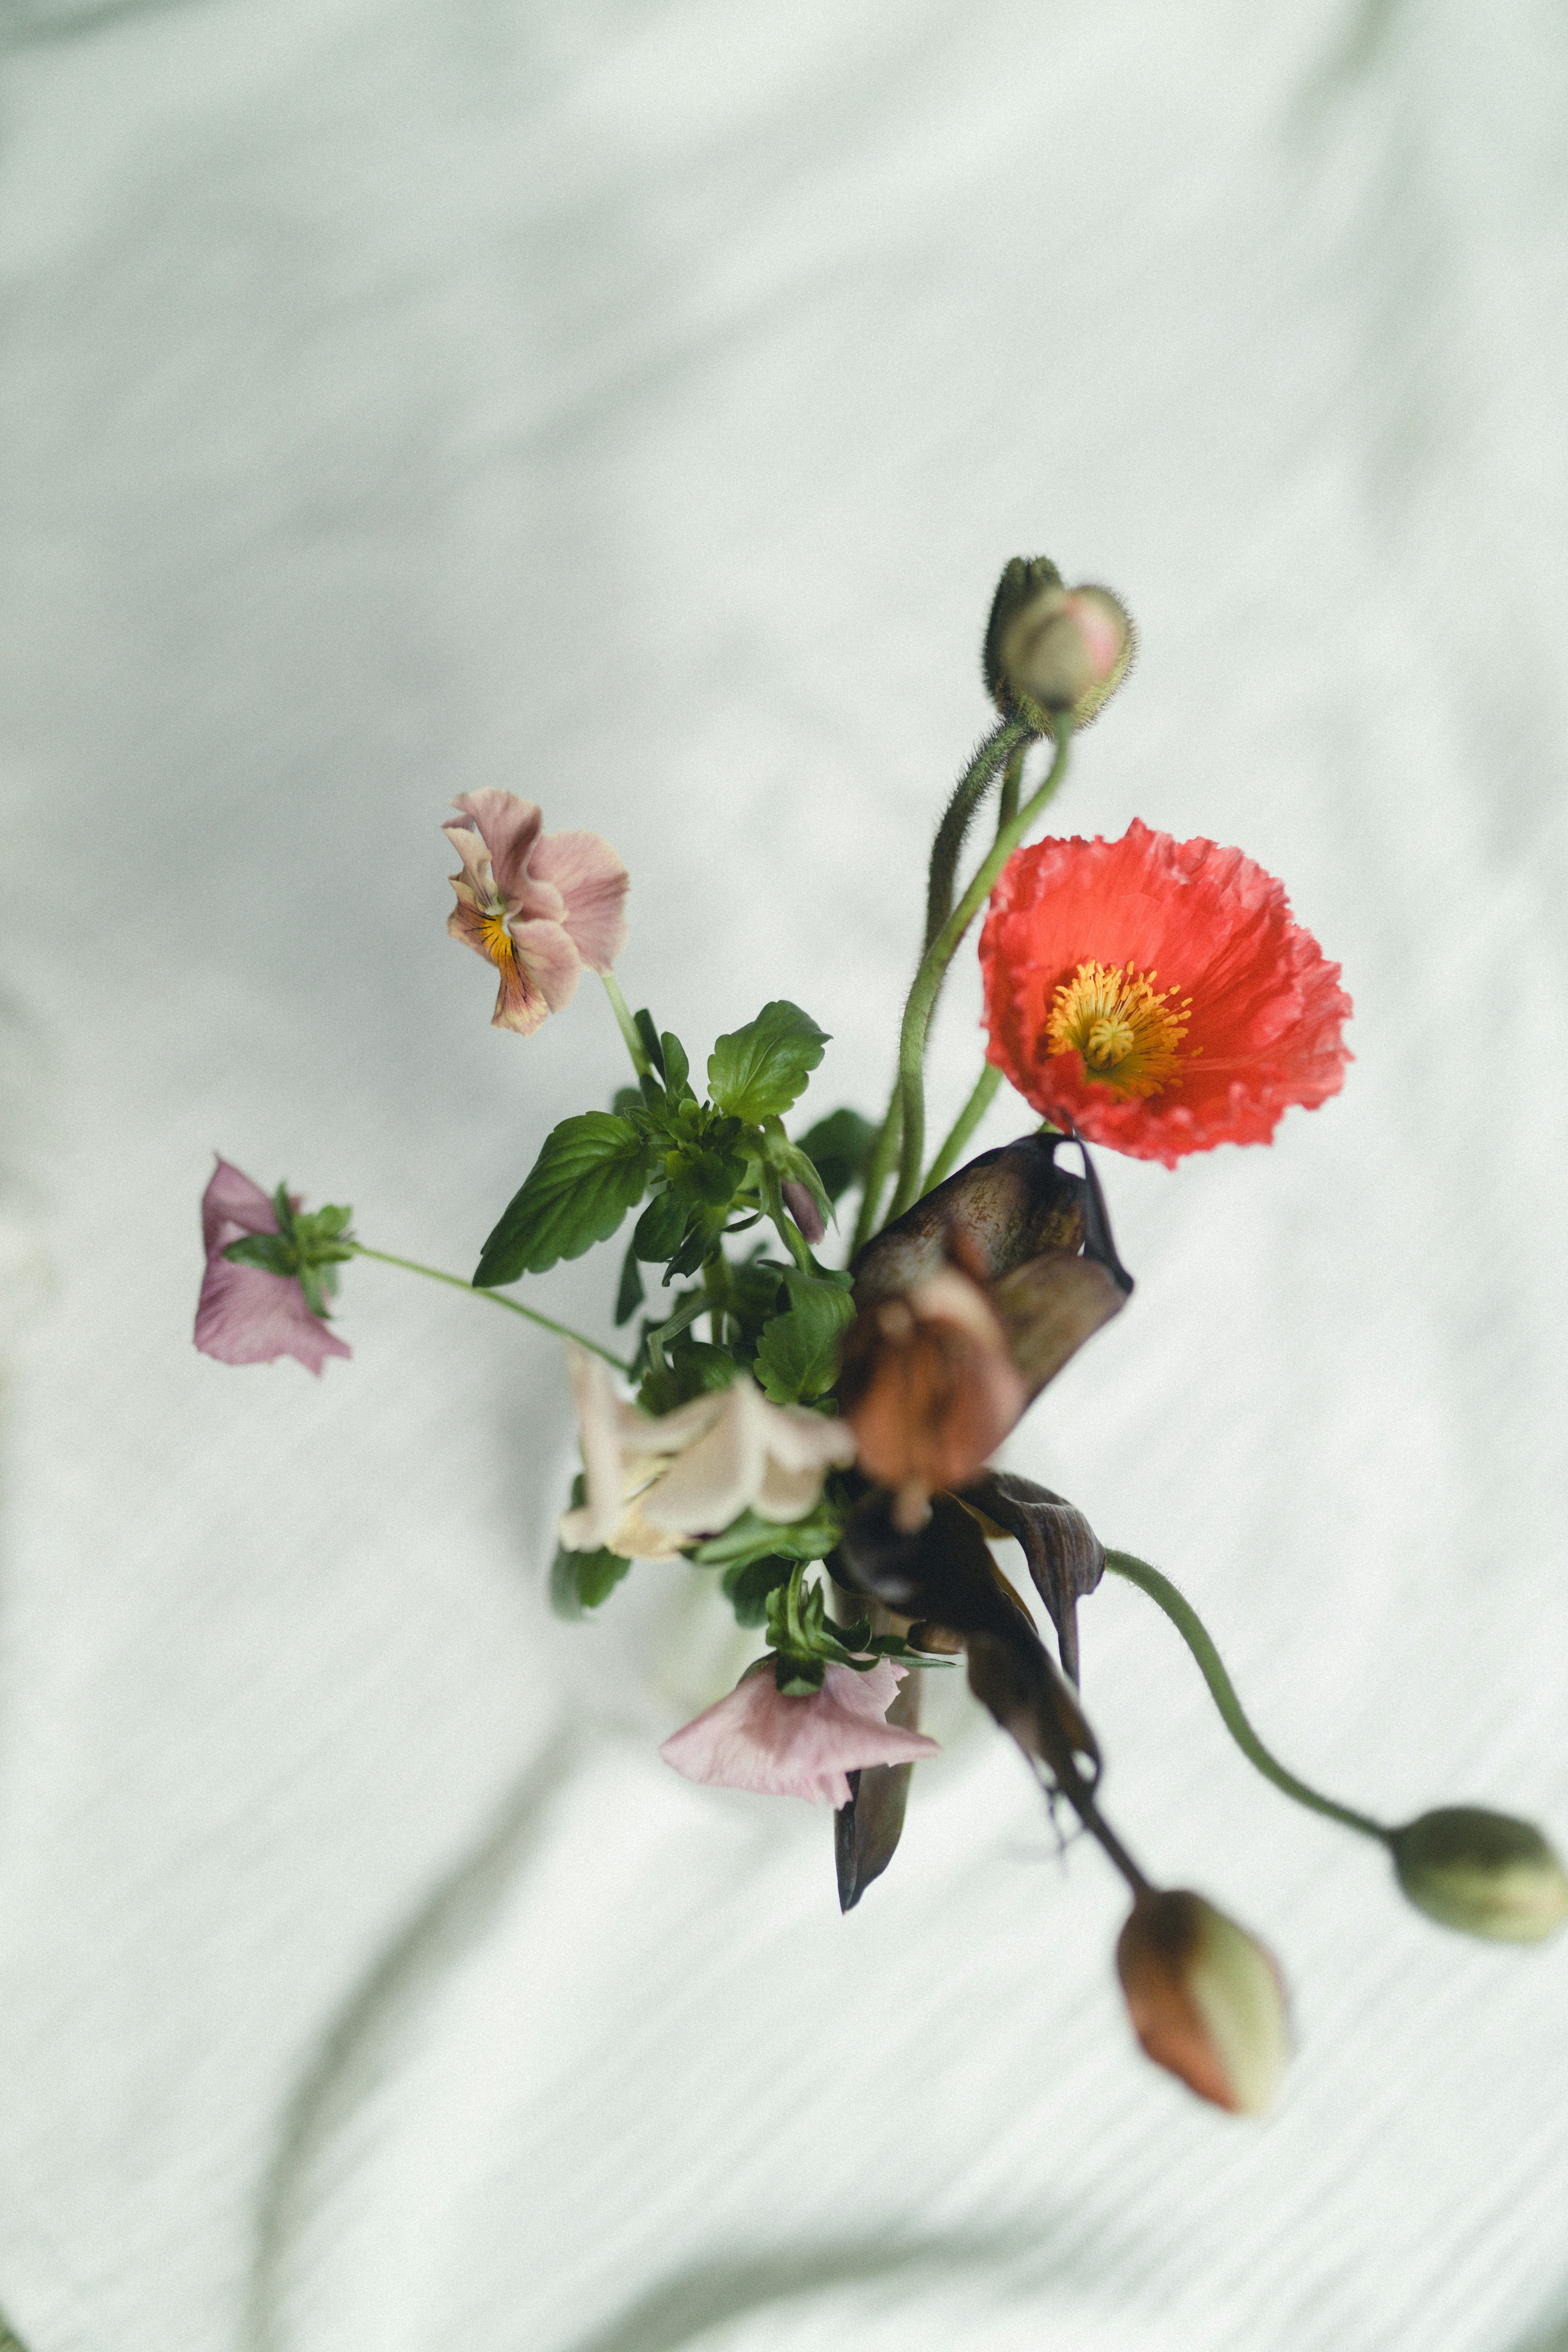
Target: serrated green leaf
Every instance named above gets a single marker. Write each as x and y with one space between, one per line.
752 1537
584 1580
755 1073
797 1355
838 1147
592 1170
747 1586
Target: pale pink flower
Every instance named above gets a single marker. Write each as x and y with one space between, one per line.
539 906
657 1482
757 1738
245 1315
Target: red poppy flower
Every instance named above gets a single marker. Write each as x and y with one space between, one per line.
1157 994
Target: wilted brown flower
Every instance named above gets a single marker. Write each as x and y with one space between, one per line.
928 1388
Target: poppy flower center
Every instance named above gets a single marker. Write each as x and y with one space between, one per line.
1126 1030
499 946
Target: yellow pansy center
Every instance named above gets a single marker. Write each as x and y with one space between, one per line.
500 945
1127 1031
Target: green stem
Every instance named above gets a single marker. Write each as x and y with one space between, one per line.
878 1168
628 1026
963 1127
933 971
1011 785
967 794
1196 1635
434 1274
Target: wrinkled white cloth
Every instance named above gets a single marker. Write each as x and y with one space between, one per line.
631 406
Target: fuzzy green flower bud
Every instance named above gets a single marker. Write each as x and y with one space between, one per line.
1483 1872
1207 2001
1052 648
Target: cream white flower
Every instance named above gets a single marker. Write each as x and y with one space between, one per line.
656 1484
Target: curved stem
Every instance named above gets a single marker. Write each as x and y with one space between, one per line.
933 971
967 795
876 1171
1196 1635
1011 785
435 1273
962 1127
626 1025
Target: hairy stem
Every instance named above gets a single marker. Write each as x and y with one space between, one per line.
958 815
878 1168
435 1273
933 971
1211 1666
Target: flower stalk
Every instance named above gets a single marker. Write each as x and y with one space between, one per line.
459 1282
1211 1666
932 972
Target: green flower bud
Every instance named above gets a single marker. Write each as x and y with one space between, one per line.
1207 2001
1483 1872
1052 648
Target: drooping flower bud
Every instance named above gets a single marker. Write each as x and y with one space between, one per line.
928 1388
1483 1872
1207 2001
1052 648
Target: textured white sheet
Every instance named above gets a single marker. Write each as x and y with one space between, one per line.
632 405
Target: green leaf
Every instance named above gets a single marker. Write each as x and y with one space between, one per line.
582 1579
755 1073
676 1069
797 1356
706 1178
643 1023
625 1099
747 1586
283 1208
839 1146
591 1170
273 1253
690 1367
631 1294
313 1282
658 1231
752 1537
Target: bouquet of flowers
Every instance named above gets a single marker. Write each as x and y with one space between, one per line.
818 1436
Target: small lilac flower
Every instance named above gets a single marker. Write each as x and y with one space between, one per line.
245 1315
759 1739
539 906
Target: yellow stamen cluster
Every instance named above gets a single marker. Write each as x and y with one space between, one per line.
1127 1031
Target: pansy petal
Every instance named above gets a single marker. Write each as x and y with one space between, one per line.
231 1197
521 1006
597 1415
756 1738
510 828
716 1478
552 963
594 883
469 844
246 1315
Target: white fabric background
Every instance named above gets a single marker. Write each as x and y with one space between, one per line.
632 405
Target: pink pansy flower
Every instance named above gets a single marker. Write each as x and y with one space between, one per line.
245 1315
757 1738
539 906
